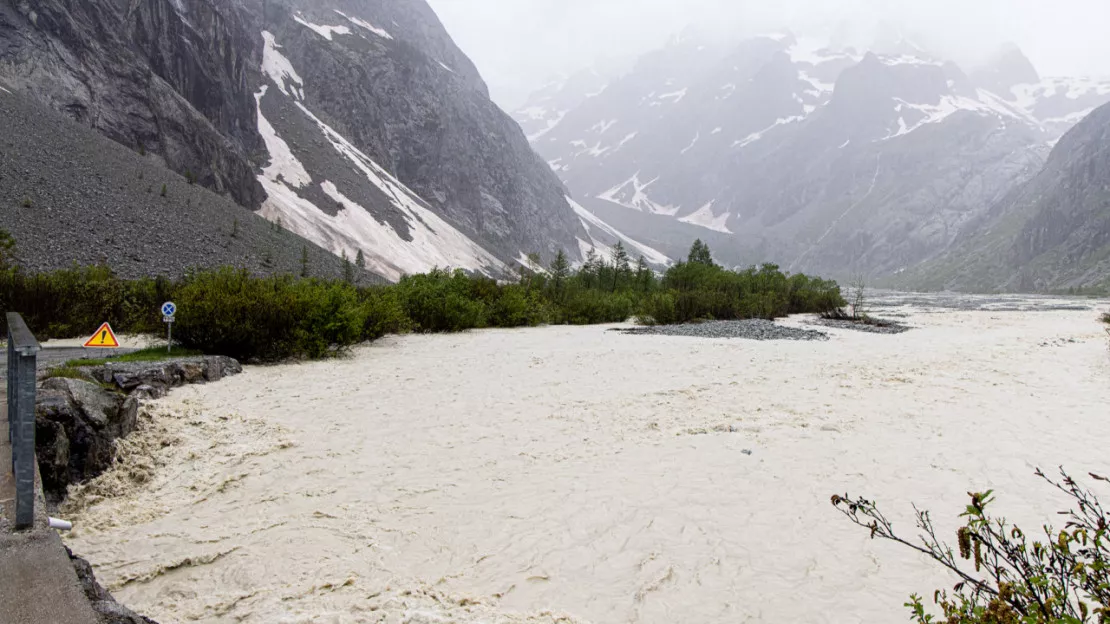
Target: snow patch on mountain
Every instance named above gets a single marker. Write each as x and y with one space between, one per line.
630 194
381 32
692 143
755 136
327 32
279 69
595 228
431 241
706 218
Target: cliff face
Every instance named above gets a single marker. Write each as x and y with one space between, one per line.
357 123
146 77
1051 233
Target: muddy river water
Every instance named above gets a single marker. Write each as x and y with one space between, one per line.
582 475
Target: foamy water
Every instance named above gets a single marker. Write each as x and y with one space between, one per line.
580 475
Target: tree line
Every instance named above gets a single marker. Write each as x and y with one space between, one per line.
229 311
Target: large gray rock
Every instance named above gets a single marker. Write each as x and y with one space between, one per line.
77 422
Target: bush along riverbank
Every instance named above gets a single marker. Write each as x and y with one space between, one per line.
231 312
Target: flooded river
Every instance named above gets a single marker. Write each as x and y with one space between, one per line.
582 475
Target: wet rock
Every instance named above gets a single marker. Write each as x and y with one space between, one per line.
106 607
76 426
77 422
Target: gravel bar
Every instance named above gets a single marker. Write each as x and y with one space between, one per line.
890 328
756 329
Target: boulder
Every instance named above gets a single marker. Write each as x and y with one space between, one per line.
107 609
76 426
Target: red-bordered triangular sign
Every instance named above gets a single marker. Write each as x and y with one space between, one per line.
104 338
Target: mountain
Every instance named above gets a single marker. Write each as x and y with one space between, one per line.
68 194
355 123
1051 233
833 160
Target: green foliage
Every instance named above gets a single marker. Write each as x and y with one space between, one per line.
26 203
189 177
66 372
1062 578
7 249
229 312
235 228
1105 318
163 190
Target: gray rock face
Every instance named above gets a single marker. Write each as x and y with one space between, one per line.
77 422
834 161
1052 233
68 194
144 75
357 123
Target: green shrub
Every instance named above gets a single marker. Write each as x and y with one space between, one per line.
1013 578
229 312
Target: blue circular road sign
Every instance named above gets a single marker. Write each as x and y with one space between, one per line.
169 309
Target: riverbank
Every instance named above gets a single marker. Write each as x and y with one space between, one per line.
517 475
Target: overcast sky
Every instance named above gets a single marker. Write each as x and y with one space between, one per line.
519 44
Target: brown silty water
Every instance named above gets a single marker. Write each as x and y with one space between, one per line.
580 475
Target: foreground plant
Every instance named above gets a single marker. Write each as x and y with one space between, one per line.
1064 579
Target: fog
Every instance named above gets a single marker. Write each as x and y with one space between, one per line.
520 45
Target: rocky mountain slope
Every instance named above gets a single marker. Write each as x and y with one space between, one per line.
830 160
68 194
356 123
1051 233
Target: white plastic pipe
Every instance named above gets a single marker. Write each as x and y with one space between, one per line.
61 525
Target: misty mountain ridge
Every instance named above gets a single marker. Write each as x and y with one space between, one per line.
825 159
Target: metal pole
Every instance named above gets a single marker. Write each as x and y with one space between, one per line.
169 337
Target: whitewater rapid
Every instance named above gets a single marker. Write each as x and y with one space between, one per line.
581 475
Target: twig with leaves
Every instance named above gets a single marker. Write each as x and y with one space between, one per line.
1062 580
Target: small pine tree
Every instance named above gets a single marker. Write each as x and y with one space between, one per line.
235 228
189 177
27 203
560 270
360 260
621 267
142 150
163 190
348 269
304 260
700 254
643 274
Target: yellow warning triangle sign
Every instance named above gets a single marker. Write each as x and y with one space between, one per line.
104 338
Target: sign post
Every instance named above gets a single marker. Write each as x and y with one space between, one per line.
169 309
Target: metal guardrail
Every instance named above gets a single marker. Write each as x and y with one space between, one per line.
23 351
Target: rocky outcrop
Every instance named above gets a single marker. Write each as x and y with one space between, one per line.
108 611
77 421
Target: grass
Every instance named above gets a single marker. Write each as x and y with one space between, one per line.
1105 318
151 354
66 372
